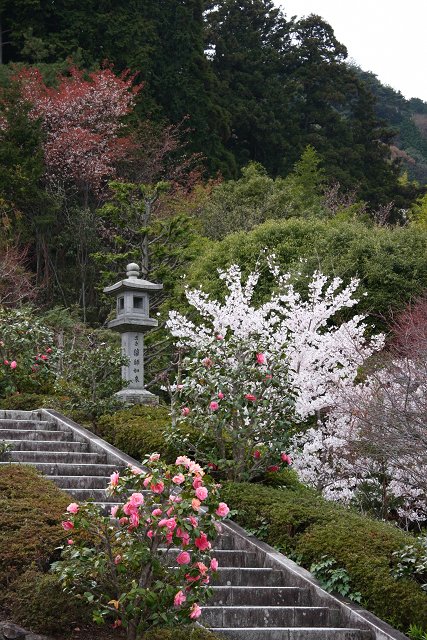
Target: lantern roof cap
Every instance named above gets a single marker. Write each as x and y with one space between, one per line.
133 282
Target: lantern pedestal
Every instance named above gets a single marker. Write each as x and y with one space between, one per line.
132 321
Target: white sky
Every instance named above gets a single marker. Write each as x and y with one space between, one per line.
387 37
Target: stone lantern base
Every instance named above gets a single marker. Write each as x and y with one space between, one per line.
137 396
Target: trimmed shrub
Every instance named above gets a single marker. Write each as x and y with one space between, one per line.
27 402
180 633
138 431
36 601
301 523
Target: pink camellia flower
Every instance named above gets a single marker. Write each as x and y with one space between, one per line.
134 518
158 487
114 478
214 564
222 509
214 406
202 493
147 481
185 540
220 395
129 508
150 533
136 499
202 543
218 527
220 337
154 456
208 362
197 482
257 454
268 378
44 357
211 465
273 468
179 599
73 507
114 510
286 458
195 504
6 362
183 460
260 358
180 386
13 364
123 521
202 568
196 468
185 411
171 524
183 558
157 512
249 397
195 611
136 471
194 521
162 523
118 559
67 525
48 350
70 541
206 580
178 479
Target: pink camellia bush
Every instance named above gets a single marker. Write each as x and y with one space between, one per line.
149 561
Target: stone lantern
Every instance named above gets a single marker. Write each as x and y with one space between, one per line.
133 319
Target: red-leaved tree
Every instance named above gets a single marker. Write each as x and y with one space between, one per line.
83 122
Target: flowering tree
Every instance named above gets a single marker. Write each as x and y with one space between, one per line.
82 120
234 397
171 518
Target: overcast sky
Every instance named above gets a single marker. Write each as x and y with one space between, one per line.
387 37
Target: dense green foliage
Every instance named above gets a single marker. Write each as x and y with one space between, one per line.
179 634
391 262
301 523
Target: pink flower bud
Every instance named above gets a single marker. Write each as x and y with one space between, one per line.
220 395
118 559
67 525
286 458
13 365
257 454
249 397
273 469
208 362
185 411
70 541
195 611
214 564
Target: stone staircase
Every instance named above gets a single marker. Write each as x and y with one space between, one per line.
260 594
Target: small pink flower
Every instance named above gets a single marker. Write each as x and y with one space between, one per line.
154 456
6 362
195 504
136 499
179 599
150 533
147 481
249 397
202 568
183 558
129 508
44 357
157 512
118 559
194 521
220 395
211 465
73 507
268 378
162 523
114 478
273 468
214 406
197 482
286 458
202 543
158 487
260 358
136 471
220 337
48 350
185 411
171 524
183 460
134 518
179 479
70 541
206 580
202 493
208 362
185 540
180 386
114 510
67 525
222 509
257 454
13 364
195 611
123 521
214 564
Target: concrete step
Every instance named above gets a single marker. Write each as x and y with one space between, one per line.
238 617
35 434
224 541
79 482
32 425
31 457
68 469
260 596
259 577
97 495
286 633
46 445
225 557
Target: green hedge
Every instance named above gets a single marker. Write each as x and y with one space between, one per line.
28 402
180 633
299 521
139 431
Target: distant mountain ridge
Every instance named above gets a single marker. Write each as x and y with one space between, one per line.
409 118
